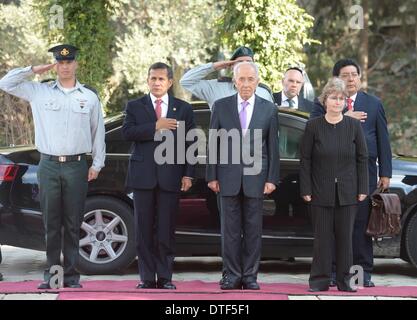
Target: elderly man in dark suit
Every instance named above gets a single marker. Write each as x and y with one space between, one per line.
369 110
241 125
289 96
156 185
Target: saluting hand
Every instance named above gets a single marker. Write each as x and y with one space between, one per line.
219 65
92 174
43 68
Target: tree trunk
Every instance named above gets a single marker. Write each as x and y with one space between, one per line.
363 45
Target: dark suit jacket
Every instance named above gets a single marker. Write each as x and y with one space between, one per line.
376 134
231 176
139 127
333 152
303 104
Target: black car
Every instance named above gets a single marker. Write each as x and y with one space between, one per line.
107 232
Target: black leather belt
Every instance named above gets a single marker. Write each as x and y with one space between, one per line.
76 157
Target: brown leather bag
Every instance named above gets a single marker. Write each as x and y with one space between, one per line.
385 217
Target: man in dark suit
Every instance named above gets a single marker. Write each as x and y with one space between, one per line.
369 110
289 96
252 124
156 185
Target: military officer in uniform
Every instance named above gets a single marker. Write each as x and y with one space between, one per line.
68 124
211 90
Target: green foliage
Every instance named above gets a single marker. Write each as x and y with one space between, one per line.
87 26
180 33
277 31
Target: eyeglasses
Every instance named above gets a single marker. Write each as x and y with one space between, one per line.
335 98
354 75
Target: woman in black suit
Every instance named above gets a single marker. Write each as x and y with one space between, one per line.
334 177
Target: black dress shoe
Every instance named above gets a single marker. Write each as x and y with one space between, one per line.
346 289
253 285
146 285
44 285
318 289
368 284
332 283
1 277
165 284
73 285
224 277
230 285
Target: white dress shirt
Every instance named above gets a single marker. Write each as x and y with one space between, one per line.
249 109
285 103
164 105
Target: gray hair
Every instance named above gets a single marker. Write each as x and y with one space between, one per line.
334 85
243 63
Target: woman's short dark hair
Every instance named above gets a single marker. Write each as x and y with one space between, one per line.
345 63
161 65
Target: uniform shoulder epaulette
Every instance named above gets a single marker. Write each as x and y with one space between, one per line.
92 89
224 79
48 81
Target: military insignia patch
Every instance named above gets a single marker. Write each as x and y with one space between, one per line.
64 52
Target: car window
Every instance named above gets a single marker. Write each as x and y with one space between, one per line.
202 122
289 142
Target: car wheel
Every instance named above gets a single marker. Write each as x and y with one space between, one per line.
411 239
107 236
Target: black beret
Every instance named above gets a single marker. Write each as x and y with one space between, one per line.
242 52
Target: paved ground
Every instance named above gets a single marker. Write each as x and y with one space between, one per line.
22 264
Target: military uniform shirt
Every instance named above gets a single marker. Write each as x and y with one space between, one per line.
212 90
66 123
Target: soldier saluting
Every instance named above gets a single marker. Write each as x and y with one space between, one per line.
68 124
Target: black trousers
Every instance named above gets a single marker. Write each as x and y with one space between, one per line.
363 254
63 190
242 231
155 213
333 228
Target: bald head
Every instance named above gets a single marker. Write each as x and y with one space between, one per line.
292 83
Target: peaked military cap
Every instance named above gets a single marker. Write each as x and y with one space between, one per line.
64 52
242 52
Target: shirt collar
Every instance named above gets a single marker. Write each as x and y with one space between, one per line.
165 98
78 86
285 98
251 100
354 97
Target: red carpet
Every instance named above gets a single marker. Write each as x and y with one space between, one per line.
193 290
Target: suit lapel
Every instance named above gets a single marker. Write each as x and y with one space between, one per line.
171 106
149 108
235 113
359 104
255 114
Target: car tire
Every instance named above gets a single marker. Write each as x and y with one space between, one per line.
411 239
107 236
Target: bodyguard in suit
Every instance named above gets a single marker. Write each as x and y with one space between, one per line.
333 178
156 187
289 96
255 121
369 110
